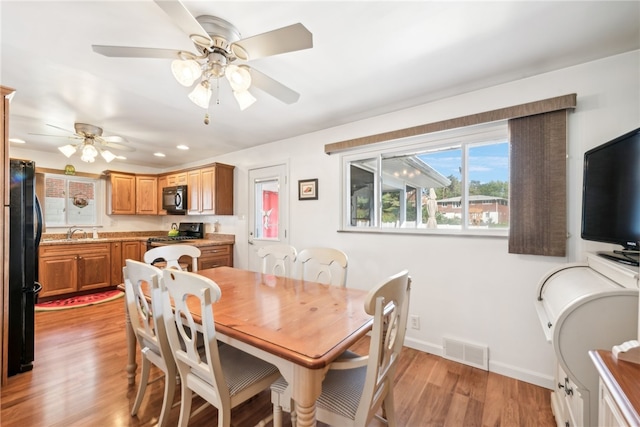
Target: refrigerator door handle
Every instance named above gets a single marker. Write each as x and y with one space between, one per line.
38 235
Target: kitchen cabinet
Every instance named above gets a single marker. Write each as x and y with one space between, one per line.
146 195
120 252
122 194
71 268
215 256
211 190
179 178
130 194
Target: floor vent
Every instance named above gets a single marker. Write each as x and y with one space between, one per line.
467 353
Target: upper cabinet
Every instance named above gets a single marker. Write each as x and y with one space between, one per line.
130 194
146 195
122 194
211 190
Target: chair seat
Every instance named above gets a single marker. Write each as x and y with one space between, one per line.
240 369
341 391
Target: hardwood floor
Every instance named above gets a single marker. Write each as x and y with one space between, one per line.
79 380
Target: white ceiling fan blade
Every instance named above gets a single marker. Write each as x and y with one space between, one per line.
113 138
57 136
283 40
276 89
183 18
135 52
62 129
117 146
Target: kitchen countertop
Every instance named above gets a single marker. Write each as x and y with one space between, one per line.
211 239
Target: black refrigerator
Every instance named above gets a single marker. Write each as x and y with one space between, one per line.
25 230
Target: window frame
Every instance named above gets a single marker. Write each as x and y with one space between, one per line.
494 132
99 191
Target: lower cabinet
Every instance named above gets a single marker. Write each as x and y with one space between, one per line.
122 251
64 269
215 256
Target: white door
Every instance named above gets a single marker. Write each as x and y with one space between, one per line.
268 220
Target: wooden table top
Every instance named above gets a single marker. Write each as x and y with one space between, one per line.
307 323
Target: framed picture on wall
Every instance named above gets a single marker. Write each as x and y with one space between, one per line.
308 189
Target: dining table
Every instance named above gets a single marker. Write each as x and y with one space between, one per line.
299 326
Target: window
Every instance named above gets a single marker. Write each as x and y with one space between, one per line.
70 200
455 181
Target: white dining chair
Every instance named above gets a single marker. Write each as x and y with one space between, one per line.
171 254
150 334
222 375
356 388
324 265
277 259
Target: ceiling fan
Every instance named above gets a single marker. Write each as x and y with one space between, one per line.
90 142
219 46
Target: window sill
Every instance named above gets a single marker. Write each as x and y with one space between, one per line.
428 232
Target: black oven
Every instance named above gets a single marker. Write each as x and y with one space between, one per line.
174 199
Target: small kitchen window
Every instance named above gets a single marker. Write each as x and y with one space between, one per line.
71 200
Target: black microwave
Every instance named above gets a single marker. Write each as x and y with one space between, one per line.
174 199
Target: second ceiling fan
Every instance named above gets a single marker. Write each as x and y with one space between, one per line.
219 46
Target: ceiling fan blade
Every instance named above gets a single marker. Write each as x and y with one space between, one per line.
116 146
135 52
272 87
113 138
183 18
57 136
62 129
283 40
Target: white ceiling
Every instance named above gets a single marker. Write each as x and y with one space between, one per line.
368 58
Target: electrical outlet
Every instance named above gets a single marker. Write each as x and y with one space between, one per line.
415 322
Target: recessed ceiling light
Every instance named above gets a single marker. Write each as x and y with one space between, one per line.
121 157
159 154
17 141
182 147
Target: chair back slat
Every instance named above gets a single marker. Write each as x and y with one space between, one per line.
277 259
323 265
171 254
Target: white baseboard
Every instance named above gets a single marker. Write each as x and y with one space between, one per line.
510 371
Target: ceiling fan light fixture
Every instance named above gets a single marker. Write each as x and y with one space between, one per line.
201 95
107 155
244 98
89 153
239 77
67 150
186 71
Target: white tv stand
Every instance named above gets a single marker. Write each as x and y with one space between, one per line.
582 307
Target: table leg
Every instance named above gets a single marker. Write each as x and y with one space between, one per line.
131 347
306 390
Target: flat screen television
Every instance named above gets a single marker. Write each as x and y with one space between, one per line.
611 196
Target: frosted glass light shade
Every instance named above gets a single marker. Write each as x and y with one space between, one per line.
107 155
239 77
186 72
89 153
201 95
244 98
67 150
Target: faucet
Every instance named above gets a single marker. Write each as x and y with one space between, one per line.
72 230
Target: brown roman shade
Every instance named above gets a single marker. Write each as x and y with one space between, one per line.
538 183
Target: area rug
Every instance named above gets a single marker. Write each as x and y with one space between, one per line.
79 301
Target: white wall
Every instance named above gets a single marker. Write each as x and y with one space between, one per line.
468 288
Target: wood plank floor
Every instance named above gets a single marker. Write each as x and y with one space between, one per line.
79 379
